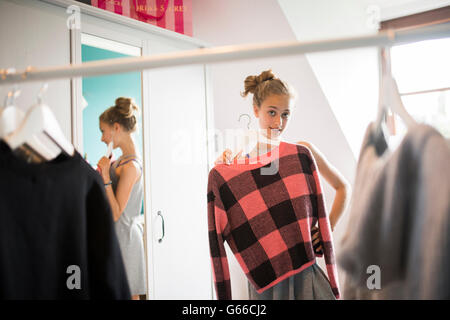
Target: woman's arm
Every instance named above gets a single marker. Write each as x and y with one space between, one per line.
336 180
127 179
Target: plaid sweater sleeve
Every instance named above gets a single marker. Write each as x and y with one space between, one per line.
324 229
217 224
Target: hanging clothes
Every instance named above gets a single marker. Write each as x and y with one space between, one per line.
57 237
400 219
266 218
130 232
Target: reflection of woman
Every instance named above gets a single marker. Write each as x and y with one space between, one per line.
271 105
124 188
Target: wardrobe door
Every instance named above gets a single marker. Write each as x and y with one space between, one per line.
177 235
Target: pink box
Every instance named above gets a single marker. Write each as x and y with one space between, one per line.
175 15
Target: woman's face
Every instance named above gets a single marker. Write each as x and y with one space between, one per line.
107 132
273 115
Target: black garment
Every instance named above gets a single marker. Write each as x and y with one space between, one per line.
54 215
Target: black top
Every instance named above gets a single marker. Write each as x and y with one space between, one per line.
53 216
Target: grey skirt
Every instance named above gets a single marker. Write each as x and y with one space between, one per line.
309 284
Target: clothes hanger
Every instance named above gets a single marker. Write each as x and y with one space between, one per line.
247 138
11 118
108 154
251 138
40 120
389 96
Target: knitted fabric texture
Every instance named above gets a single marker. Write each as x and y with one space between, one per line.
265 209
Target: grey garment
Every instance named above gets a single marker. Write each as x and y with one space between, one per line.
309 284
131 234
400 219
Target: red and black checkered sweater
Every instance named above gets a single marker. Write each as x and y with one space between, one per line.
265 208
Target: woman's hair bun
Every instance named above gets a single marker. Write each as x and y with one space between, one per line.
264 76
124 111
126 107
264 85
252 82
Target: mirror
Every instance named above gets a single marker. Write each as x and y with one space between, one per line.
104 121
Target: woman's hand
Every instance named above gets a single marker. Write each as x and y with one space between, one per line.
225 157
104 164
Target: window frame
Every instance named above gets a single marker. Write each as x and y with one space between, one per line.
427 18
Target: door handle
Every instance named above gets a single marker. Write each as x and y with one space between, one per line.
162 226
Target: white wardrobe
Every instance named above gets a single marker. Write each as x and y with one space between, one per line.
176 114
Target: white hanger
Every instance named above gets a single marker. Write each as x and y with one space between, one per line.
109 150
10 116
108 154
40 119
10 119
389 96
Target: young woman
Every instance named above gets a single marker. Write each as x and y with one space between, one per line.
124 188
272 99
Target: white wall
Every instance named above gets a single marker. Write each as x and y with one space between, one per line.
33 33
349 78
237 22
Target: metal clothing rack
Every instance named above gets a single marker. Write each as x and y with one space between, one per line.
223 54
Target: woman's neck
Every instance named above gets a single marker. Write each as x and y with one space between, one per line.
128 148
262 145
261 148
